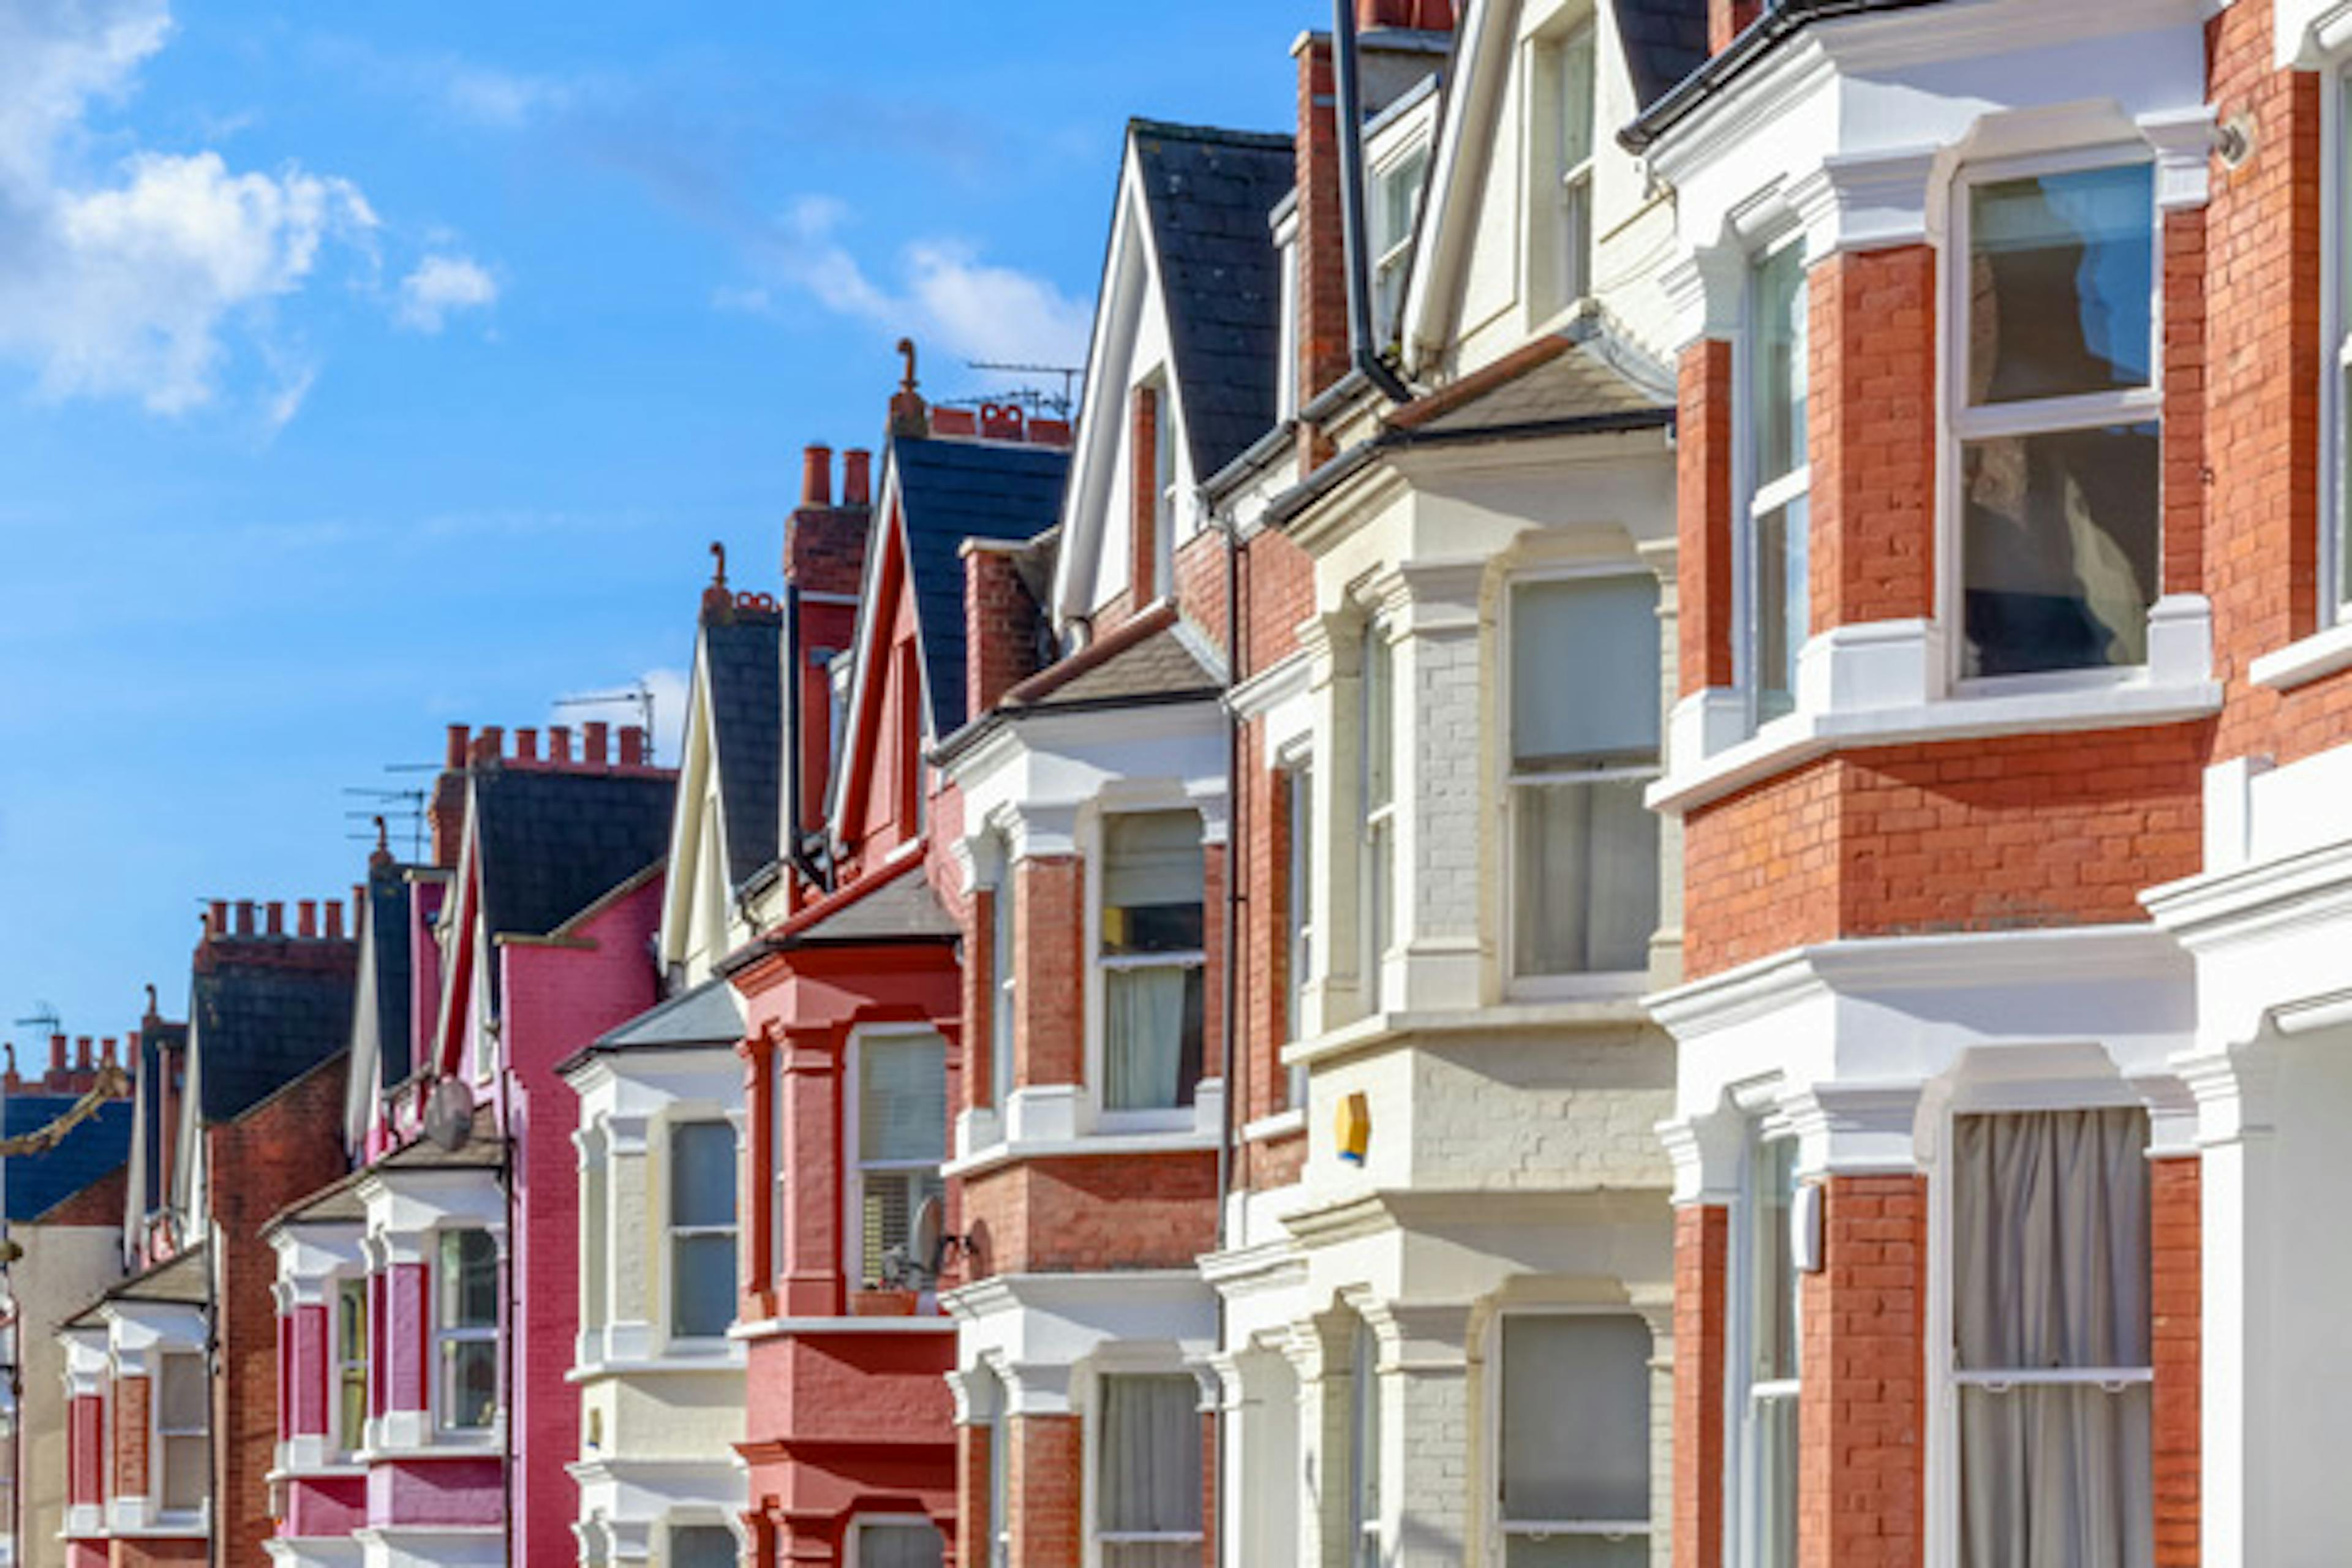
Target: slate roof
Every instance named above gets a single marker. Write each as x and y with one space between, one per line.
950 491
743 654
339 1202
1588 374
180 1279
263 1014
388 939
1666 40
1774 23
709 1014
903 908
1162 665
551 842
1211 195
38 1183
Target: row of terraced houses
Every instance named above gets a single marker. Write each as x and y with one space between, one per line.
1637 851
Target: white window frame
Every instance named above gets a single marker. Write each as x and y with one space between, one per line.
855 1165
1090 1439
1367 1540
160 1436
1942 1462
1594 983
1376 838
338 1368
1296 772
1756 502
1286 368
674 1233
1501 1530
860 1523
446 1334
780 1213
596 1234
1004 986
1164 1119
1578 240
1393 253
1962 424
1766 1125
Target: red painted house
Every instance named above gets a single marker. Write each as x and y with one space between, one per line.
854 1002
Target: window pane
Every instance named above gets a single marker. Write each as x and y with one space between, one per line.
1379 719
1300 796
702 1174
1150 1555
596 1228
180 1398
469 1382
702 1546
780 1217
1576 1552
1584 670
2059 548
2056 1477
1364 1448
2344 481
1777 363
1772 1277
902 1100
185 1460
469 1279
1773 1430
2061 284
1151 1036
1783 603
702 1285
1154 882
1576 98
888 1201
1576 1418
350 1320
1001 990
351 1408
1151 1455
1585 878
899 1546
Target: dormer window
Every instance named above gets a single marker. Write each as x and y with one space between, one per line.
2058 418
1396 203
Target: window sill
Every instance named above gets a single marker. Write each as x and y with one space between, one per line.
715 1354
1183 1140
1281 1124
916 1323
1613 1012
1787 742
2307 660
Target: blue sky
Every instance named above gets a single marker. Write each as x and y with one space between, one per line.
371 367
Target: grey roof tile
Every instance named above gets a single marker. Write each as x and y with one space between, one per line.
551 842
1664 41
38 1183
742 655
264 1013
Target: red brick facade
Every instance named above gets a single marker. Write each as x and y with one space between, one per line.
1702 1254
1871 428
2176 1205
1860 1487
1703 506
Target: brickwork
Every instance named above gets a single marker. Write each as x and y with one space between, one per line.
1045 1490
1861 1481
982 1047
2176 1205
127 1421
1323 355
1871 428
2183 532
1083 1214
1726 19
1200 585
1143 584
1049 933
1999 834
975 1527
1002 626
141 1551
1277 597
1702 504
1702 1261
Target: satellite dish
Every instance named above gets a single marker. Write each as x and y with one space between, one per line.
449 1114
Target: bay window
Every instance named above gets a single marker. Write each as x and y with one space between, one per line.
2058 418
183 1407
2049 1292
1154 932
701 1229
466 1330
902 1119
1575 1454
1147 1472
1376 774
351 1364
1396 204
1584 697
1766 1370
1777 597
702 1546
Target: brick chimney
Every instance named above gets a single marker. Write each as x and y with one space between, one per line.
858 478
1426 15
1002 624
1726 19
447 815
633 746
1320 246
592 747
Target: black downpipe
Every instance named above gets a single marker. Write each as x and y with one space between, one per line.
1350 108
1229 1030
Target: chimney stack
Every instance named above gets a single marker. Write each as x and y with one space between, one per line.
111 1056
217 922
816 475
245 917
81 1054
335 916
592 745
276 909
57 1053
489 743
633 746
526 746
559 742
455 757
306 918
857 476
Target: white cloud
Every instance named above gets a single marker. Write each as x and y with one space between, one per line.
945 294
128 280
441 285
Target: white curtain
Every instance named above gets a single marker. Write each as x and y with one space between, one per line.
1150 1476
1143 1037
2049 1264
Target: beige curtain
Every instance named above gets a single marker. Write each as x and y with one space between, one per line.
2049 1271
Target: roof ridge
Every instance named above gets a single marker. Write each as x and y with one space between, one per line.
1175 132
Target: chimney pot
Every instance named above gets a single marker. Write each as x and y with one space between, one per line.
335 916
245 917
489 743
816 475
456 755
111 1054
217 922
592 741
276 911
81 1054
559 742
57 1053
633 746
857 476
306 917
526 745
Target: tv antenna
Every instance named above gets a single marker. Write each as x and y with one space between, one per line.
641 694
406 805
45 1014
1035 399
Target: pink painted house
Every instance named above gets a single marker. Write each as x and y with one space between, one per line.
428 1310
